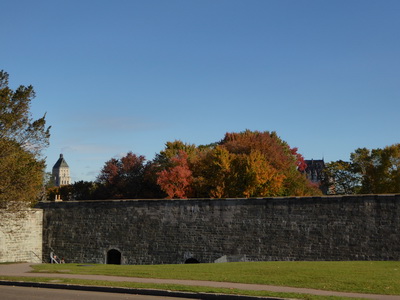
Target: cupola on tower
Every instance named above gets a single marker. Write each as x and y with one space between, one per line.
61 172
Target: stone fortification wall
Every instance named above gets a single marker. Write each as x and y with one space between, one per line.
172 231
21 236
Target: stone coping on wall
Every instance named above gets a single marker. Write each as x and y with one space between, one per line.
301 199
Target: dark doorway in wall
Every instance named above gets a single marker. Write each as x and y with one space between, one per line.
191 261
113 257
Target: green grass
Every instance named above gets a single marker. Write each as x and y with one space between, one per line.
174 287
360 276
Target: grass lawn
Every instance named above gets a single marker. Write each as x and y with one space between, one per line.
381 277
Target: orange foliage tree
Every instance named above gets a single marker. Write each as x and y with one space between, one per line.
245 164
176 179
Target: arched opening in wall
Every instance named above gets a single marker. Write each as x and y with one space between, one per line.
113 257
191 261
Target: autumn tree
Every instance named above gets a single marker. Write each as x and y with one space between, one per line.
171 150
131 175
21 141
260 178
214 173
175 180
246 164
266 166
227 174
123 178
150 188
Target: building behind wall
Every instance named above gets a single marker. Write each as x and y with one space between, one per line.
315 173
61 173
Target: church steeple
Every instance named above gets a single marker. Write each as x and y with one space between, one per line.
61 172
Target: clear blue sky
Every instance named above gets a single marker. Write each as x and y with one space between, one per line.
119 76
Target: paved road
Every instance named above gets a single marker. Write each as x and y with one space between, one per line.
25 293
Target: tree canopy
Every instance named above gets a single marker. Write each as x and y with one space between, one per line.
254 164
341 177
241 165
21 141
245 164
379 169
122 178
375 171
127 177
176 179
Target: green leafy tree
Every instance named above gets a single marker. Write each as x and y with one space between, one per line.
84 190
21 177
21 141
341 178
375 171
379 169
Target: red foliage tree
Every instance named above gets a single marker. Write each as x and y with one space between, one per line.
176 180
109 173
300 162
122 178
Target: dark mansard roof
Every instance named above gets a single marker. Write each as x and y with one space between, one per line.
61 163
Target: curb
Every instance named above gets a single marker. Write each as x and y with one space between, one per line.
121 290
